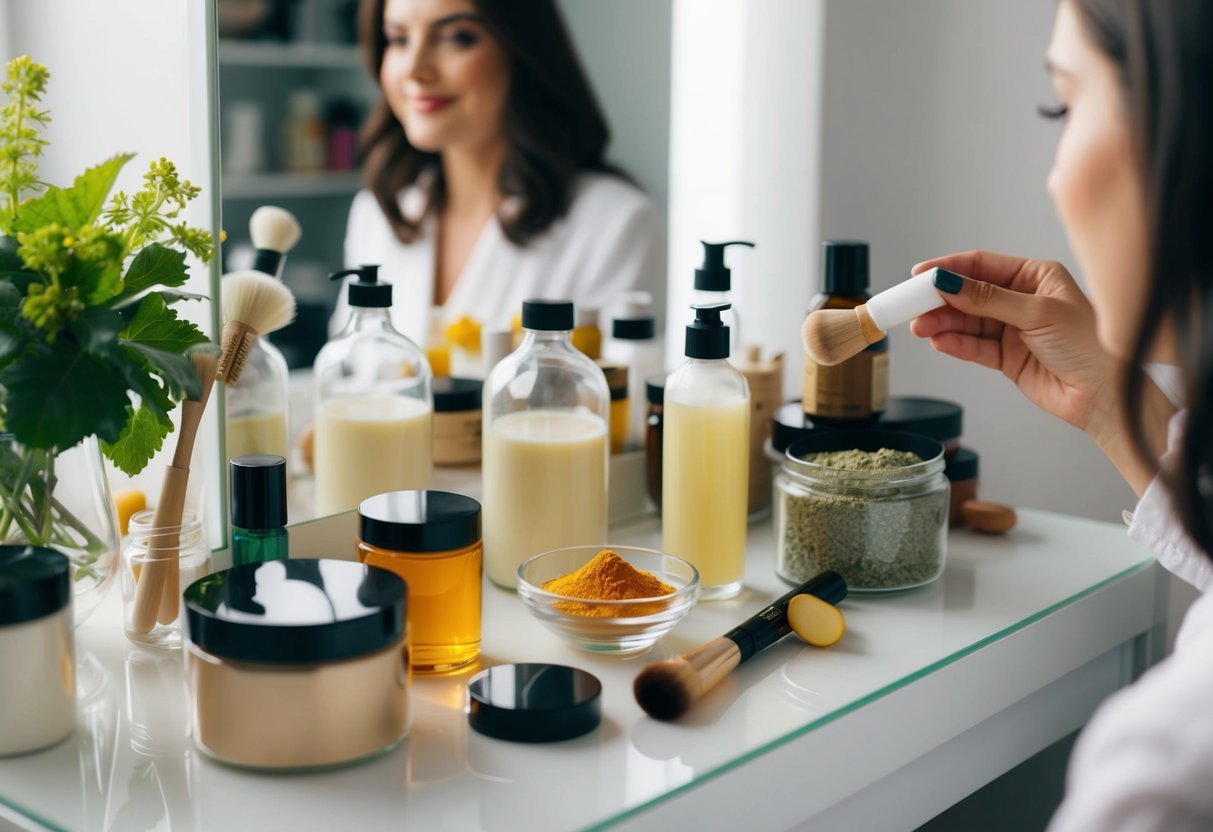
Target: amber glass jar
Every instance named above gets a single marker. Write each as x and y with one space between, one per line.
432 540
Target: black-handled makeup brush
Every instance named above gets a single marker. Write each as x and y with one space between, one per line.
667 689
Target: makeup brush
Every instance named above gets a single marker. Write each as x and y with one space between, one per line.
158 589
831 336
667 689
274 231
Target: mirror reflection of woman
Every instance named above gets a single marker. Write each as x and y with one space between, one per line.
485 169
1132 182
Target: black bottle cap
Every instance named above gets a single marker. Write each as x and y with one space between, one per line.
962 466
258 491
296 611
634 329
452 393
269 262
844 267
547 315
366 291
419 521
708 335
534 702
714 275
34 582
654 388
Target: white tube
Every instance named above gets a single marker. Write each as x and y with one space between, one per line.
904 301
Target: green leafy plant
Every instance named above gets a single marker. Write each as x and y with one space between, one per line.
90 342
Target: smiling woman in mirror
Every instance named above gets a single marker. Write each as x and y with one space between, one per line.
486 177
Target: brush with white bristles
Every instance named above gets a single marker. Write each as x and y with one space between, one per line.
256 302
831 336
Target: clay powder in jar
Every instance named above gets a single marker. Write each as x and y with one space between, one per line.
297 664
37 656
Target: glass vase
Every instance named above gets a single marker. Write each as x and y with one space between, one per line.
61 499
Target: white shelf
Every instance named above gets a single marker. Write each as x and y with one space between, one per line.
302 55
287 185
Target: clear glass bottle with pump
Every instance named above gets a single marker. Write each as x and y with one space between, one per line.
714 283
633 343
374 404
706 458
546 412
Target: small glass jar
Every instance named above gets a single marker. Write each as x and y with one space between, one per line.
458 420
144 544
617 382
961 472
881 529
432 540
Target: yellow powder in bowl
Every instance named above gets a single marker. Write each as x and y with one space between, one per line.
608 577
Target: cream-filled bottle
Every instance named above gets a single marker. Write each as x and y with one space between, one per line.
546 412
374 404
706 458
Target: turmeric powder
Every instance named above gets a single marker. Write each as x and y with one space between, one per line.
608 577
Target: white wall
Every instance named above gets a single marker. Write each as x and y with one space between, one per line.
931 144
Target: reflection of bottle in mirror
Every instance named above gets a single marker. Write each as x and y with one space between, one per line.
258 489
374 404
706 459
546 411
242 148
633 343
713 284
304 135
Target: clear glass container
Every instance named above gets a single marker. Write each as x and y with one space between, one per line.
546 417
374 406
881 529
144 544
257 414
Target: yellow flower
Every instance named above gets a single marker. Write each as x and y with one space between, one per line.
465 333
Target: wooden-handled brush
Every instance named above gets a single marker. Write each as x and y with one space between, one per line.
831 336
667 689
157 592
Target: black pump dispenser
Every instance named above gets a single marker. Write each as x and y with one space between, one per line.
366 291
708 335
714 275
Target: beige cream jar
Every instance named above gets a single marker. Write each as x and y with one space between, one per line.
297 664
457 420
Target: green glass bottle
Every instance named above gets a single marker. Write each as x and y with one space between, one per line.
258 508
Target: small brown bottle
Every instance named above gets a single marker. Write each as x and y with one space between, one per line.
856 390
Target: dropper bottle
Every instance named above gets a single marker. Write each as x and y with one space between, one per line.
706 458
714 283
258 508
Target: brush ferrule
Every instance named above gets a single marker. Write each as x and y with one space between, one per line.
235 342
871 333
905 301
270 262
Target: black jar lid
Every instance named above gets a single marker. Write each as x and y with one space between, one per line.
419 521
937 418
453 394
962 465
791 424
654 388
34 582
258 491
534 702
296 611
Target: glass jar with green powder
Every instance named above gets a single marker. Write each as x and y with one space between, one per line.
871 505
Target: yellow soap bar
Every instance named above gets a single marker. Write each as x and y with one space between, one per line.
129 503
818 622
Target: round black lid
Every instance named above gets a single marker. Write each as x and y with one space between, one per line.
714 275
258 491
654 387
844 267
937 418
34 582
708 335
534 702
366 291
296 611
452 393
634 329
547 315
419 521
791 424
963 465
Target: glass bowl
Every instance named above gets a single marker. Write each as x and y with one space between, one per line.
617 627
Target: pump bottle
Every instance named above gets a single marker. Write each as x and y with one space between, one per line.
706 457
633 343
374 404
714 282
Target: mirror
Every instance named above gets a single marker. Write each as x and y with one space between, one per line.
293 91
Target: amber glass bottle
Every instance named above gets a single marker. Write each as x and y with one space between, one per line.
856 390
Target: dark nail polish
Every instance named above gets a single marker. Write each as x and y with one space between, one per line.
950 282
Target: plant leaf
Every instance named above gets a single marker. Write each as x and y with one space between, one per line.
97 280
138 371
73 207
155 265
158 327
96 329
58 395
10 261
176 369
142 439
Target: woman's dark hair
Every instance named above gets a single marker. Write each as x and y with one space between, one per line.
553 124
1163 51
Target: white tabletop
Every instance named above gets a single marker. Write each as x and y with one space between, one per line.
130 765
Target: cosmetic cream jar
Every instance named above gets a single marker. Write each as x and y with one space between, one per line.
457 420
297 664
37 658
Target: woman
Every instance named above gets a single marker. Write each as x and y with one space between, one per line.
486 180
1131 182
